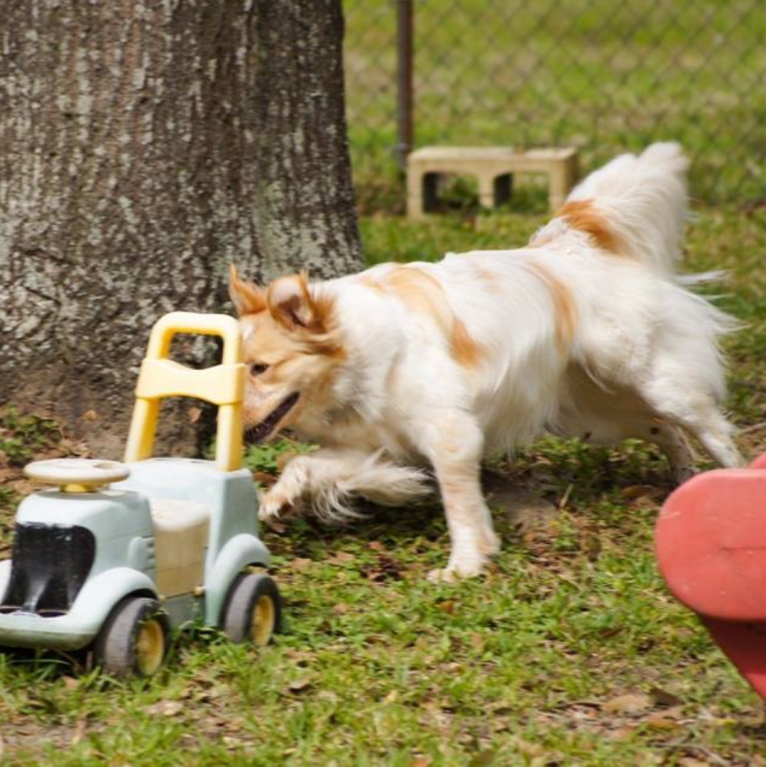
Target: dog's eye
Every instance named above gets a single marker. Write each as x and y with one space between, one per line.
257 369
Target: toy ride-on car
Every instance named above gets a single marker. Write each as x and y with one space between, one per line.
711 549
122 553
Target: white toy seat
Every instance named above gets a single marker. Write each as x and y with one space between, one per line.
77 475
180 541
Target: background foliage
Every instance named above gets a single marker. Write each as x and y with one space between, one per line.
599 75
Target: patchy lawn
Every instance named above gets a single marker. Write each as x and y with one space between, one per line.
569 652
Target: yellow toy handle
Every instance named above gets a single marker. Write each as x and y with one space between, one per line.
222 385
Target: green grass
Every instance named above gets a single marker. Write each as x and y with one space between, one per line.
599 75
24 435
527 666
531 664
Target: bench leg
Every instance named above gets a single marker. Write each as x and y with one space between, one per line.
422 193
486 190
430 192
561 179
503 186
414 193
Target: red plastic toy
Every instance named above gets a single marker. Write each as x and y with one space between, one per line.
711 548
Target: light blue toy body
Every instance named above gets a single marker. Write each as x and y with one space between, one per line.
177 530
125 563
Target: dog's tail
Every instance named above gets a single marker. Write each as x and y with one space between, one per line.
635 206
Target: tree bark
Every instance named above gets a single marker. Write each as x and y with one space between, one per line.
145 145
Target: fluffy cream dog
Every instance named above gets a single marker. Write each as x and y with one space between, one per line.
587 331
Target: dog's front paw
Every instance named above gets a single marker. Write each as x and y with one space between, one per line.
492 543
457 570
681 474
443 575
273 505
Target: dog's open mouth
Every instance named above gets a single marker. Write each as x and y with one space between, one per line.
266 426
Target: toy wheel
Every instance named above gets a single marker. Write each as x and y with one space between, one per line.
134 639
253 610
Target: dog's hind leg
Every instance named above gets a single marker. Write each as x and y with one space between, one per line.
714 433
454 445
673 443
679 402
669 438
607 415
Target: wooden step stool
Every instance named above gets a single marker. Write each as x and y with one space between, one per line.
492 166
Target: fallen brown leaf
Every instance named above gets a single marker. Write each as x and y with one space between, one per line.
483 758
386 568
478 641
499 707
591 546
302 657
638 491
527 748
341 558
632 703
298 686
664 698
165 708
214 693
622 733
662 720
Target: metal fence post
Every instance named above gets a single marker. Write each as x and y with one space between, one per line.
404 87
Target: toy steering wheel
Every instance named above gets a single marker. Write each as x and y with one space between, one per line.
77 474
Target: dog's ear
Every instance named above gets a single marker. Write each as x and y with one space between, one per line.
292 305
247 297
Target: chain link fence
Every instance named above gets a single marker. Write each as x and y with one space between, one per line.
600 75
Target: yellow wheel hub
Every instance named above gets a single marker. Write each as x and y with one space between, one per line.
263 620
150 647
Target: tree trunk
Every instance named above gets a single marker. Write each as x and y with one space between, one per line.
145 145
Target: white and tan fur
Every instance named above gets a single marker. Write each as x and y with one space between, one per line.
587 332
